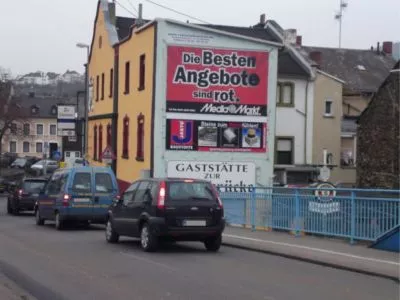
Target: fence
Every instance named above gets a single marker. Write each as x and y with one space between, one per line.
356 214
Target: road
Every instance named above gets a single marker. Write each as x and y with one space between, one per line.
78 264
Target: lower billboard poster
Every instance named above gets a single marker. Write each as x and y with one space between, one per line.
212 136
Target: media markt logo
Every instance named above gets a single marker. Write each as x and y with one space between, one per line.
231 109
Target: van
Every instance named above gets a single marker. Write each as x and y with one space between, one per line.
77 195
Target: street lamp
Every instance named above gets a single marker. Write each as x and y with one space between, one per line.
85 128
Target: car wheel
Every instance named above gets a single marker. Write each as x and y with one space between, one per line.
38 218
148 240
111 236
59 223
9 208
213 243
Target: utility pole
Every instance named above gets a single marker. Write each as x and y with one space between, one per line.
339 17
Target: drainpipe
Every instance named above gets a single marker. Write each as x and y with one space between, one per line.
305 122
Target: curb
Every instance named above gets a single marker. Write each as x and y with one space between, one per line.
313 261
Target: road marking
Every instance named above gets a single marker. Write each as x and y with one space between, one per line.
313 249
149 261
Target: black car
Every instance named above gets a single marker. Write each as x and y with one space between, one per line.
25 195
163 210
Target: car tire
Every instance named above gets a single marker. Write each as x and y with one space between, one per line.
111 236
9 208
59 224
213 244
148 241
39 220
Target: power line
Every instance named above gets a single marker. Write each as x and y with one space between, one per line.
123 7
177 12
133 7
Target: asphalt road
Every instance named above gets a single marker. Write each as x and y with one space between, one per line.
78 264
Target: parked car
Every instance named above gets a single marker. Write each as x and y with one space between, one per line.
158 210
25 195
9 179
3 185
39 167
7 158
80 195
24 162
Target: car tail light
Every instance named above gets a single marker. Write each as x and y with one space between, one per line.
161 196
217 196
20 192
66 199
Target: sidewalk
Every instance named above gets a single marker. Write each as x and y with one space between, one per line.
321 250
10 291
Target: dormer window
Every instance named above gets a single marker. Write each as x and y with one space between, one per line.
34 110
54 110
361 67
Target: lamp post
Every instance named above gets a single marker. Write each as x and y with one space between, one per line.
85 128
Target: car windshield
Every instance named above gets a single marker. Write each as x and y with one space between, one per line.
103 183
33 186
184 191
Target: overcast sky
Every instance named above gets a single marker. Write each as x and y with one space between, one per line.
41 34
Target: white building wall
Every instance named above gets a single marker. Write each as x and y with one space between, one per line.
174 34
297 121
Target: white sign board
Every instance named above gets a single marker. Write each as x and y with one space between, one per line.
66 112
63 132
239 177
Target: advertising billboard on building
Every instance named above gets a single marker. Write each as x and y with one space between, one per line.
217 81
238 177
212 136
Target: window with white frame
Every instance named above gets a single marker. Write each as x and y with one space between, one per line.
284 151
26 147
285 94
27 129
39 147
53 129
13 147
13 128
39 129
328 109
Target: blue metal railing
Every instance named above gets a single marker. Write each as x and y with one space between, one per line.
356 214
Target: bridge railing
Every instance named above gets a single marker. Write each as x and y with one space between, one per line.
356 214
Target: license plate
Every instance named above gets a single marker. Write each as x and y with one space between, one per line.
194 223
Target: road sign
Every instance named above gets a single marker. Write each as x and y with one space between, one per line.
65 132
57 155
66 112
108 155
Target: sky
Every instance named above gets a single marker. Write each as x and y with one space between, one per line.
42 34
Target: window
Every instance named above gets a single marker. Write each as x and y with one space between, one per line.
13 128
53 129
34 110
97 87
142 72
127 197
95 143
108 141
81 183
100 141
184 191
103 183
284 151
27 129
26 147
328 108
127 77
39 147
125 138
39 129
13 147
140 138
140 192
54 110
111 82
285 94
100 41
102 86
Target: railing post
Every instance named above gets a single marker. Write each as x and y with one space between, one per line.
297 212
253 209
353 217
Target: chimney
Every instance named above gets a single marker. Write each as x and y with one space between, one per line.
111 11
139 21
378 50
387 47
316 56
290 36
299 40
262 19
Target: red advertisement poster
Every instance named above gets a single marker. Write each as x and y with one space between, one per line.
217 81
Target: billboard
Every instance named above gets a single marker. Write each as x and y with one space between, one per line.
216 136
217 81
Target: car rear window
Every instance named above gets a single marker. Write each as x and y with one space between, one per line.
104 183
82 183
189 191
33 186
